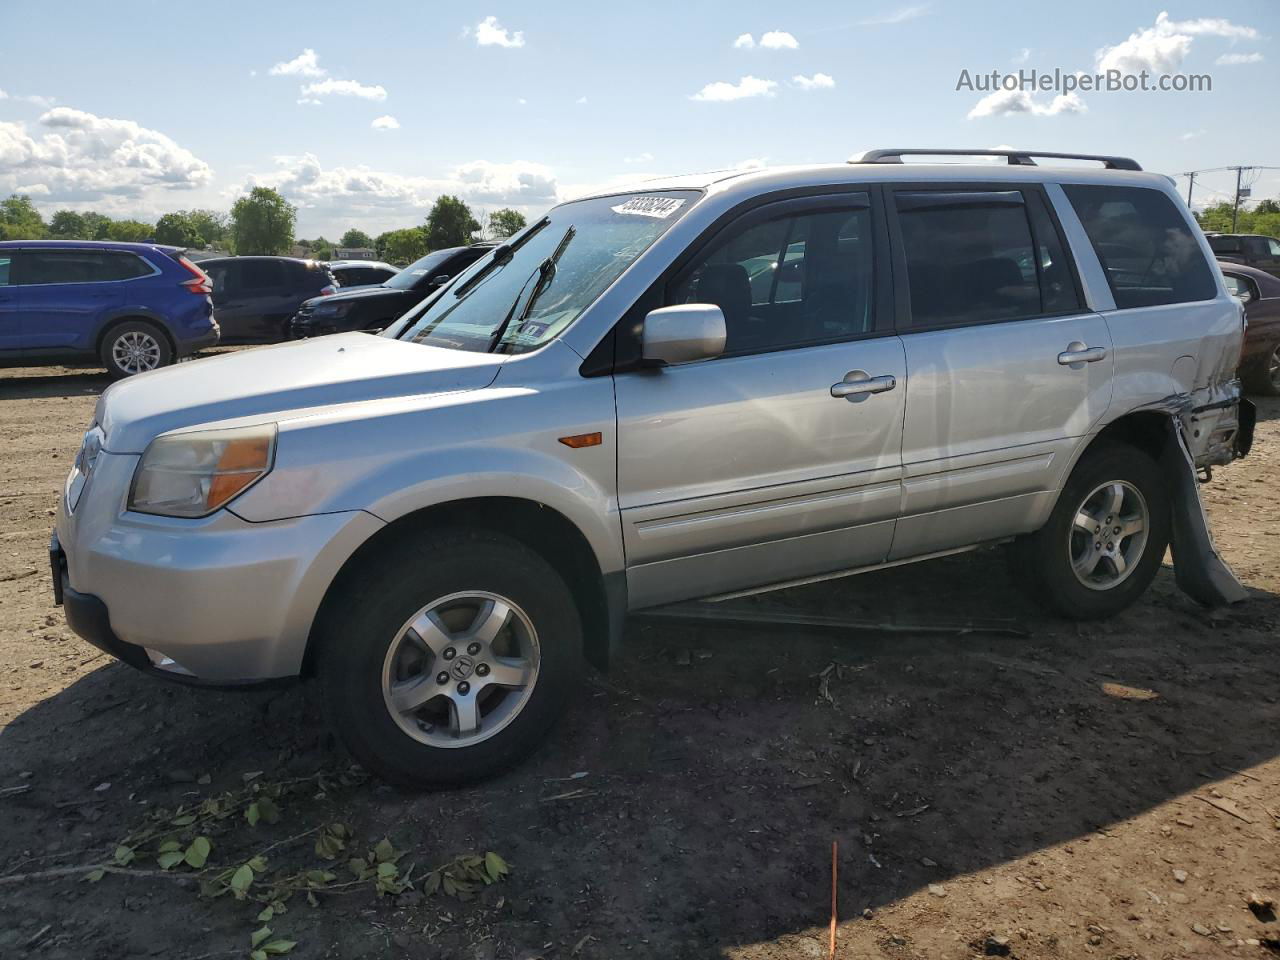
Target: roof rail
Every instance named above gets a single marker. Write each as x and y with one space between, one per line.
1022 158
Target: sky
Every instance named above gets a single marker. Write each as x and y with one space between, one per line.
362 115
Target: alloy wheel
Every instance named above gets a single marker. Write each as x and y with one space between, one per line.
136 352
461 669
1108 535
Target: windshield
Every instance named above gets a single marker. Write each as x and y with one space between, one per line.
419 270
532 288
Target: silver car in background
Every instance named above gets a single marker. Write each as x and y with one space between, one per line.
707 386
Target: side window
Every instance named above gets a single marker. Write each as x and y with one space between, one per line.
6 262
970 257
1224 244
1273 247
1145 246
223 277
259 275
1239 286
789 281
49 266
122 266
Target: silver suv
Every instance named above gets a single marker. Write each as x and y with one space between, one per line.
712 385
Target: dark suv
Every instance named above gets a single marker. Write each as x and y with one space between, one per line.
255 296
1250 249
131 306
372 308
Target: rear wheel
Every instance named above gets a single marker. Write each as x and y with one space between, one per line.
449 658
1263 378
135 346
1105 539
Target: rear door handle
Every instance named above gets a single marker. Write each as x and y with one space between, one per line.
1077 352
857 383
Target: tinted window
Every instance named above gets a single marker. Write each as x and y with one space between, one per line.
420 271
76 266
262 275
789 281
223 277
970 257
1224 244
1273 247
5 260
1146 247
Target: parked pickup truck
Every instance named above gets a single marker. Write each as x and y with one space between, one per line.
707 386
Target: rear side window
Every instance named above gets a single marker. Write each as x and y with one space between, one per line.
1146 248
972 257
1224 244
6 260
261 275
81 266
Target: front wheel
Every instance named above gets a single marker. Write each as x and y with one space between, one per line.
449 658
135 346
1105 539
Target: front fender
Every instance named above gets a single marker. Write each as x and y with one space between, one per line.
402 456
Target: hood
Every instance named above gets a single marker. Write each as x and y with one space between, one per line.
286 378
367 292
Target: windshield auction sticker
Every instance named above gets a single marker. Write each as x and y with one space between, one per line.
657 207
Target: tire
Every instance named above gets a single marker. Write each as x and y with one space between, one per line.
368 654
135 346
1045 562
1262 378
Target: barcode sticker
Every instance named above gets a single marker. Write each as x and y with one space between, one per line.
657 207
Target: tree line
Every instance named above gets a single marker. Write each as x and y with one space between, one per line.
263 222
1263 218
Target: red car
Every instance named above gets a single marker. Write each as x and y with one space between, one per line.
1260 358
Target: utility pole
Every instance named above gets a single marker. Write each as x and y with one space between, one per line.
1191 183
1235 209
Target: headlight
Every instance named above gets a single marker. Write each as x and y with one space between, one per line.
193 474
331 309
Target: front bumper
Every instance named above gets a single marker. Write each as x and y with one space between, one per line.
220 600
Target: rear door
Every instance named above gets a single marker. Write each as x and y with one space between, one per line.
1264 253
65 292
1007 370
253 298
753 467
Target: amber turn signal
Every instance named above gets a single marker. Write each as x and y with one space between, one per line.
583 440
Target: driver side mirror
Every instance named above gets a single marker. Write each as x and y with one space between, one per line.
684 333
439 279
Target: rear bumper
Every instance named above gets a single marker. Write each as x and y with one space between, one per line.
209 339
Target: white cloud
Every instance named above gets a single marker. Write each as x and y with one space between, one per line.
305 64
364 191
310 102
645 157
778 40
1022 56
900 15
1162 48
36 99
746 87
82 157
773 40
490 33
1192 135
581 100
344 88
1236 59
819 81
751 163
385 123
1004 103
521 100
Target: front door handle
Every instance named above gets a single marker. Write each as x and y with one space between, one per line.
857 384
1077 352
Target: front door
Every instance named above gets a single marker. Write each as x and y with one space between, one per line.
1007 369
776 460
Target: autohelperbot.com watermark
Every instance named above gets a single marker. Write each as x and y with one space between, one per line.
1065 82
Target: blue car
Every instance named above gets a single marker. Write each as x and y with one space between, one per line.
132 307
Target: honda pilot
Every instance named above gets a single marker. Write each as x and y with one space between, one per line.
709 386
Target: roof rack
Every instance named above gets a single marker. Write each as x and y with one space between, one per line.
1020 158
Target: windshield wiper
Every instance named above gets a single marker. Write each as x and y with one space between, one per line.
502 255
546 270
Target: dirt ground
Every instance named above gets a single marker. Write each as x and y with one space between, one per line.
987 795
